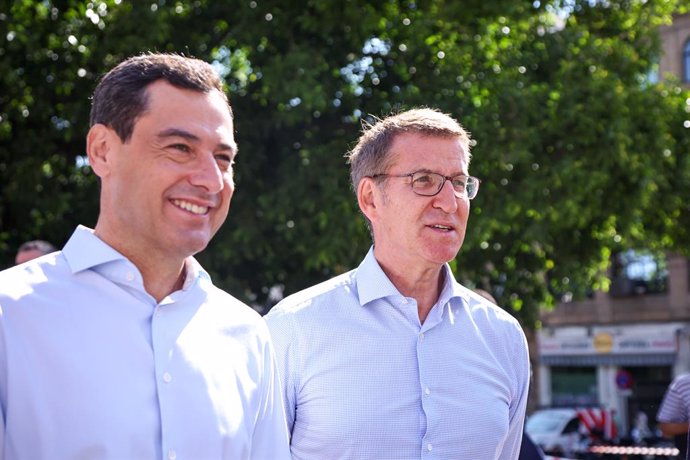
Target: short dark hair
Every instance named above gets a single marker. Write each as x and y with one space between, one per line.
38 245
120 97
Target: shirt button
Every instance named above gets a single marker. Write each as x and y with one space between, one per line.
429 447
427 391
167 378
421 336
129 276
172 455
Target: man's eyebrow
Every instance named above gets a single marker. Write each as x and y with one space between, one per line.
177 132
427 170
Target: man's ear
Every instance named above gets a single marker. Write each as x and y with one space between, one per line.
100 144
367 197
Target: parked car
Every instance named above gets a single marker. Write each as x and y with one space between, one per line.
567 432
556 431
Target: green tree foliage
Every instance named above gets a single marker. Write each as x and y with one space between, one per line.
579 153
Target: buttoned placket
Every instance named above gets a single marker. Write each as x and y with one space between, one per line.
426 385
164 376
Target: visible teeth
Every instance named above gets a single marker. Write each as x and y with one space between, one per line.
191 207
442 227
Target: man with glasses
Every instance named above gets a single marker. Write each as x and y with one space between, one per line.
396 360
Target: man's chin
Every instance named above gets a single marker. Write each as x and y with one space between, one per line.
190 245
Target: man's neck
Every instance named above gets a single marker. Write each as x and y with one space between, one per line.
425 286
162 274
161 282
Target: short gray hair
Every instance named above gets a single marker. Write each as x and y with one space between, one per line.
372 155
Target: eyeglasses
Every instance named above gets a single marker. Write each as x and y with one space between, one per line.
427 183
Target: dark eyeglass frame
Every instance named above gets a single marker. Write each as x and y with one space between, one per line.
459 194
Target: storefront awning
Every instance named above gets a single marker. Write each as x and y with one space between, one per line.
647 359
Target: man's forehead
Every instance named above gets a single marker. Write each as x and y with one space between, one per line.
428 148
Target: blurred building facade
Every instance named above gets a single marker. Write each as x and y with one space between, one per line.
620 349
675 59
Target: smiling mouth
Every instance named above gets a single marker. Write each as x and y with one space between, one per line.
191 207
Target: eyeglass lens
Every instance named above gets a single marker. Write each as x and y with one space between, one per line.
429 184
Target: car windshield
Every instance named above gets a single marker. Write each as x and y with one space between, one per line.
544 422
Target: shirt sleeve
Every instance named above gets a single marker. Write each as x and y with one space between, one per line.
674 407
518 406
284 341
270 440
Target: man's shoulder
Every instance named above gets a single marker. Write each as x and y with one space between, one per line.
316 296
490 316
681 384
21 280
220 298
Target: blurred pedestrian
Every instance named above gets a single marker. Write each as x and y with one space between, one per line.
120 346
640 431
674 412
33 249
396 359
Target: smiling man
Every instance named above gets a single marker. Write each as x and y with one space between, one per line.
119 346
396 360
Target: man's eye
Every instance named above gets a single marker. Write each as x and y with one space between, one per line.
181 147
224 161
423 179
459 183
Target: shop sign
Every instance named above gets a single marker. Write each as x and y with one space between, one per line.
606 343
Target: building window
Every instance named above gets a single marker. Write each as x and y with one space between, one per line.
686 62
638 272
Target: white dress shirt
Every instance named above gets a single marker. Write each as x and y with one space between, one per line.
92 367
363 379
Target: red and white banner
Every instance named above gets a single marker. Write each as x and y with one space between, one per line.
598 422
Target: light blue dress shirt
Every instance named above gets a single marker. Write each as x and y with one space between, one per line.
92 367
363 379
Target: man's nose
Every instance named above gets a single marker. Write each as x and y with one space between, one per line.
207 174
446 198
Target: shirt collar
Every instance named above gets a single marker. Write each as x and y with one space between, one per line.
451 288
194 271
373 283
85 251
